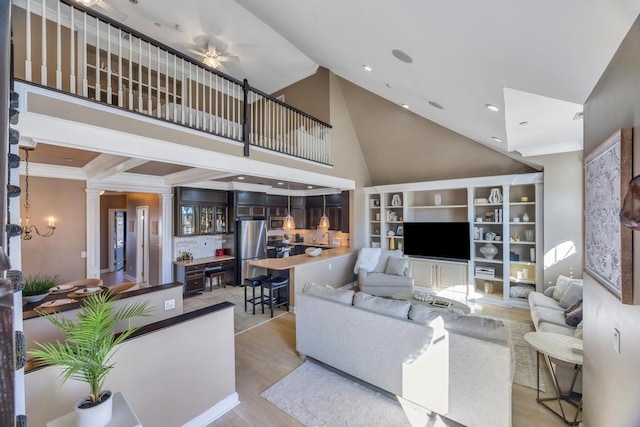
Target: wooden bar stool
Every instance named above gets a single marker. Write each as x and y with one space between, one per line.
220 277
276 287
253 282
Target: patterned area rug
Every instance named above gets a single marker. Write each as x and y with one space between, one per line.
525 356
317 397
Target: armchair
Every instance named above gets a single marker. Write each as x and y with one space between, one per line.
391 275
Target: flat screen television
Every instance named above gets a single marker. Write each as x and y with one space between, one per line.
444 240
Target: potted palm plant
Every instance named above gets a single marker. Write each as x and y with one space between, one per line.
87 351
37 286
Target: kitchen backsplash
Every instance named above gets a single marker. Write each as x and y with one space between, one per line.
200 246
338 238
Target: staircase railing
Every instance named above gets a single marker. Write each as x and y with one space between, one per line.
64 46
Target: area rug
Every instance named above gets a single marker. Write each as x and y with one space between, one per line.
525 356
318 397
242 321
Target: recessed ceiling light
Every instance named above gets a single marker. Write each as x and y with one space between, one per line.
436 105
241 178
180 28
281 183
523 123
367 68
405 106
133 1
157 24
496 139
402 56
387 85
69 159
492 107
309 186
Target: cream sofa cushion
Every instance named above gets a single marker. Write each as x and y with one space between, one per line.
343 296
386 306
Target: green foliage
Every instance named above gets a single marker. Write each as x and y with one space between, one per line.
90 340
39 284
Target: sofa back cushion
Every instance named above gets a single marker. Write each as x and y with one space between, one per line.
343 296
386 306
563 285
384 258
484 328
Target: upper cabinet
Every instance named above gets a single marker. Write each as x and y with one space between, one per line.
200 212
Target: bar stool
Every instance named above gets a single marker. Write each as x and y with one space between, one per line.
254 282
276 286
220 277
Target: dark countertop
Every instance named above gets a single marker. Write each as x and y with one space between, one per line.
197 261
29 312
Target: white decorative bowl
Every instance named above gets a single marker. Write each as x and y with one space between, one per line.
36 298
313 251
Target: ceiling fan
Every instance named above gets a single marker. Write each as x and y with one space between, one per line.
106 7
212 58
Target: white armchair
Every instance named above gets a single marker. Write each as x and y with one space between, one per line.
391 274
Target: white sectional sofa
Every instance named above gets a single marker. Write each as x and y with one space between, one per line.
458 366
548 314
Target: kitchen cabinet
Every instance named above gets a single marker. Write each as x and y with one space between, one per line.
250 204
299 217
253 211
200 212
194 273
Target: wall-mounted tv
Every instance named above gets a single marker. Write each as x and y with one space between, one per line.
444 240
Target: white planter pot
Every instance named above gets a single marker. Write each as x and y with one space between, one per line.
95 416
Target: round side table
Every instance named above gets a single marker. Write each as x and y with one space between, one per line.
567 349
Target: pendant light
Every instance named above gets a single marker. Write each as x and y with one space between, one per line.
324 220
289 225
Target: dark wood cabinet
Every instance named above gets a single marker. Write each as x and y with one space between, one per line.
299 217
200 212
250 204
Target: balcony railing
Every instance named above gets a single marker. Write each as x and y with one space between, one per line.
67 47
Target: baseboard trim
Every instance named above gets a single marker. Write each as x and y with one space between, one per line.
215 412
104 271
129 278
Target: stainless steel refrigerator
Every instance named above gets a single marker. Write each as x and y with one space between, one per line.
251 244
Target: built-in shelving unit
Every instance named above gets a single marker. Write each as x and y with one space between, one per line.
502 211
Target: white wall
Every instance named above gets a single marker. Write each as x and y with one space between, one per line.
169 377
562 205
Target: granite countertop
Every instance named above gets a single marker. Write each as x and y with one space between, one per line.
296 260
206 260
29 312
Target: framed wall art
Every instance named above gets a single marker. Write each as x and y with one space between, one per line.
608 244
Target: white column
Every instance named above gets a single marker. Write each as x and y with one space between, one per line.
93 233
166 238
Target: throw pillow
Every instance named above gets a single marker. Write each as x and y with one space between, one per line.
384 256
549 291
521 291
396 266
390 307
562 282
574 317
343 296
572 294
367 259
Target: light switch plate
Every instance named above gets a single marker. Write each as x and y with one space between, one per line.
616 340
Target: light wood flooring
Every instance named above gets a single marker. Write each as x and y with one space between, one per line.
267 353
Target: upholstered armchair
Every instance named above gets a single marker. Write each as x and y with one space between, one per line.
385 274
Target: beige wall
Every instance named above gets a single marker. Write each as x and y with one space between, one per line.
65 200
192 376
108 202
562 207
310 95
611 380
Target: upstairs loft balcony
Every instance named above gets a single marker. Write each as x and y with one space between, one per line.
66 47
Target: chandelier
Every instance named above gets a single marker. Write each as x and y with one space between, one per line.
28 229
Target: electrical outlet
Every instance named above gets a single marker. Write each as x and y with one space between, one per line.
616 340
83 254
329 266
170 304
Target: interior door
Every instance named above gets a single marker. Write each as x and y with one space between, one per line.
119 239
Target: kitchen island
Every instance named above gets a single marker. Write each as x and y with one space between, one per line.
333 267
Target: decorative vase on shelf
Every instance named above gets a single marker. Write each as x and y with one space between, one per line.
488 250
396 201
437 199
525 217
495 196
